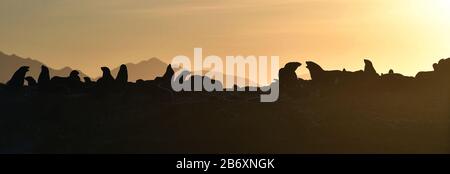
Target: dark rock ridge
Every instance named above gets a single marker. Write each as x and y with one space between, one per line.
367 78
337 111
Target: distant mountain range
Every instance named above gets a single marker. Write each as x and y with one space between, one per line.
150 69
10 63
147 70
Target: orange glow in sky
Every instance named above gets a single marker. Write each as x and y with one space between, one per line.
405 35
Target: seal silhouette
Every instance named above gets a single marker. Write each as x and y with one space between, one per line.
31 82
287 73
122 75
107 79
44 76
18 79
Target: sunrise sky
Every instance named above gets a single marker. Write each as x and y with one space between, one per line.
405 35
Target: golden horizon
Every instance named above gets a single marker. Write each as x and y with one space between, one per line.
407 36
